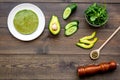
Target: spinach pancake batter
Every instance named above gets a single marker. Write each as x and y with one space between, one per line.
26 21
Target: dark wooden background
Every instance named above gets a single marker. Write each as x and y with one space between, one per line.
57 57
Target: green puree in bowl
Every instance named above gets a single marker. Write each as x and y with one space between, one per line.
26 21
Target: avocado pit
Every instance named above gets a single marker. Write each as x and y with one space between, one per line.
54 27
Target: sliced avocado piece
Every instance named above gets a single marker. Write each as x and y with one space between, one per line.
54 25
85 41
86 44
82 45
89 37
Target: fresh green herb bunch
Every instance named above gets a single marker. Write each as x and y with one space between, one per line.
96 14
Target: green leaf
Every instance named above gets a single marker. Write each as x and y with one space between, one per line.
93 18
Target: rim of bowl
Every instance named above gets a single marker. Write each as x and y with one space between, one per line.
94 24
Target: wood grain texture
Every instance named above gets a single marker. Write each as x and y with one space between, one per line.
51 67
86 1
57 57
48 44
63 45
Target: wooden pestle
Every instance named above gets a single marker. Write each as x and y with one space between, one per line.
94 69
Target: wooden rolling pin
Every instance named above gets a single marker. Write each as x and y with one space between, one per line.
94 69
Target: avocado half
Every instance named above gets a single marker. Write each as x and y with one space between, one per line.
54 25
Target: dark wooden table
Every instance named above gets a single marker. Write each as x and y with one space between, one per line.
57 57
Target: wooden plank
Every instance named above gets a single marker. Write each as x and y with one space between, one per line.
111 24
83 1
56 57
45 43
51 67
48 44
57 8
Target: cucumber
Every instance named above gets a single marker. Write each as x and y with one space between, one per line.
71 30
72 23
68 10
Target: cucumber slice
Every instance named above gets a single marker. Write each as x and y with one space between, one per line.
66 13
68 10
71 30
72 23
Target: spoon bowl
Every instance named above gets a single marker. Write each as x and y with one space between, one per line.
95 54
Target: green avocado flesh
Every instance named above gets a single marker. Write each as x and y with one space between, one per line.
26 21
88 42
54 25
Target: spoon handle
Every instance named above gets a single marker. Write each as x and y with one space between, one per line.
109 38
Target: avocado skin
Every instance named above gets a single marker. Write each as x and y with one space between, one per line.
87 42
54 20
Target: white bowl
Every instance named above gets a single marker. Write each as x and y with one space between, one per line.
41 24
